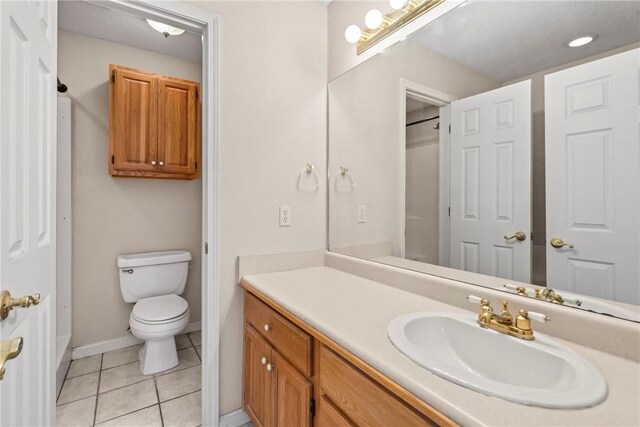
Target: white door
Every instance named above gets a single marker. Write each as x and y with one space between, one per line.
593 173
28 36
491 183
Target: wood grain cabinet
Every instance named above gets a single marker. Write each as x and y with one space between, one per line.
295 377
154 125
276 393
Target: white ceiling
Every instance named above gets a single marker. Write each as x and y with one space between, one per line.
119 27
505 40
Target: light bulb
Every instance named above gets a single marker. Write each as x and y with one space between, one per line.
352 33
165 29
373 19
398 4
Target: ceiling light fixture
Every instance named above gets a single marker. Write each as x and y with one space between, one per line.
166 30
582 40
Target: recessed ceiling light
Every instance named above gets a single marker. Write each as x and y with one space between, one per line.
166 30
582 40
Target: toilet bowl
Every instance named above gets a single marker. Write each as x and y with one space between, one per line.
153 282
157 320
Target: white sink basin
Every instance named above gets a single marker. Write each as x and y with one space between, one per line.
541 372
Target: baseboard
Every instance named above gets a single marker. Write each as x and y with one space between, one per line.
118 343
234 419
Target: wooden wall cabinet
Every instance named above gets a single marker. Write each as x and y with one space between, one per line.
294 376
154 125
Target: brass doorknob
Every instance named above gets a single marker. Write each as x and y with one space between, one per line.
7 303
9 350
519 236
559 243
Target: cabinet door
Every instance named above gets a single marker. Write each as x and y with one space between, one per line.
178 133
257 379
292 395
133 120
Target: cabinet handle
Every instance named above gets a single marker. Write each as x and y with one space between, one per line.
264 360
270 367
153 162
267 328
161 163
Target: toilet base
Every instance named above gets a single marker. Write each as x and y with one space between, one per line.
158 356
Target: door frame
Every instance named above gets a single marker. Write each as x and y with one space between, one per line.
442 100
206 23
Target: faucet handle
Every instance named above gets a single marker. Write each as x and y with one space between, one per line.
474 299
538 317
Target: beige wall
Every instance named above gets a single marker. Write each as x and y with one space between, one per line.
273 68
364 135
112 216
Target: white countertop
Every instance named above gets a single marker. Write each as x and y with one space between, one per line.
354 312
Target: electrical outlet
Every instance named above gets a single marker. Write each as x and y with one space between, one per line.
285 216
362 213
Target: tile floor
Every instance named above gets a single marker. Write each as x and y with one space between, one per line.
109 390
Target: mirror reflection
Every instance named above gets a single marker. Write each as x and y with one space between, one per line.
499 151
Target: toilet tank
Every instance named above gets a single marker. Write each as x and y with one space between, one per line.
152 274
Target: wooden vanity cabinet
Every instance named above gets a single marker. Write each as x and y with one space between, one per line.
297 377
154 125
277 384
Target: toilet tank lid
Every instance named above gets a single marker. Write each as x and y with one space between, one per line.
152 258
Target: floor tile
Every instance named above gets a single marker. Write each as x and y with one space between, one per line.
199 351
84 366
120 357
196 337
78 413
148 417
179 383
183 341
125 400
121 376
185 411
187 358
78 388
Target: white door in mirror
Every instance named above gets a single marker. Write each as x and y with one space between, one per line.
592 174
491 183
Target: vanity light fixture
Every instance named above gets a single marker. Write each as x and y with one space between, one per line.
398 4
582 40
379 25
373 19
166 30
352 33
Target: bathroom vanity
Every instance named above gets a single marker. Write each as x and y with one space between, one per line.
293 372
317 353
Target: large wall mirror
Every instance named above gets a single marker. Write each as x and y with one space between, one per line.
498 145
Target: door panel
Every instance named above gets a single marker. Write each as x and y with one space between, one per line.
491 182
293 395
28 38
134 120
257 379
177 127
592 174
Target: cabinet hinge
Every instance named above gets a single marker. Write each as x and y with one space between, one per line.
113 77
113 160
206 248
196 165
449 128
449 210
312 407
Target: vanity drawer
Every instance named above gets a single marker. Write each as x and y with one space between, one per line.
290 341
360 398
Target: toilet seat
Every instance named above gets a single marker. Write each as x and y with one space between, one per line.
160 310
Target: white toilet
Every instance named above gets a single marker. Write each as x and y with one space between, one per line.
153 281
